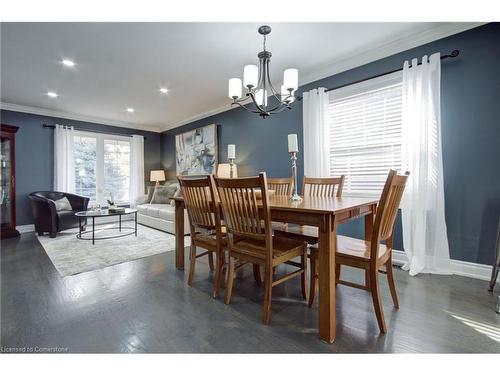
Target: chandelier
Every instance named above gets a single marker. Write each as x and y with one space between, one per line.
266 100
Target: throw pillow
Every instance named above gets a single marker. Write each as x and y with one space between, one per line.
151 190
63 205
163 194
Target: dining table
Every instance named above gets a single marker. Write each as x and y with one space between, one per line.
324 213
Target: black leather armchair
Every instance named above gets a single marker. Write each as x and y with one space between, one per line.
48 219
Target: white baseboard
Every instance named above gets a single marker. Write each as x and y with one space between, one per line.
101 220
458 267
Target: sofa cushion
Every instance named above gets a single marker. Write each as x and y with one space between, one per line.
161 211
163 194
167 212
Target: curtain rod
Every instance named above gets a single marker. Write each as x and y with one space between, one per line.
92 131
452 55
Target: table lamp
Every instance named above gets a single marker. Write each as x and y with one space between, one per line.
157 176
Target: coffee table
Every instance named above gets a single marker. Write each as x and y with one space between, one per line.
105 213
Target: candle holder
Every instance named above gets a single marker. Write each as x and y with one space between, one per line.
231 167
295 197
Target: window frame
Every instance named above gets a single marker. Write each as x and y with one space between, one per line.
359 89
99 168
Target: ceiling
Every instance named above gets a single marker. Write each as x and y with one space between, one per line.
120 65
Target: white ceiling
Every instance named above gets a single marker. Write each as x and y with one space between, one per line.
120 65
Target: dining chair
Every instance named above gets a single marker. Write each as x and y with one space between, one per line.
313 187
207 231
250 236
372 255
281 186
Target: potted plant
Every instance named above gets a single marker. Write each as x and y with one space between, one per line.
111 202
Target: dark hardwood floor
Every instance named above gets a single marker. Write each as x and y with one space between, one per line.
146 306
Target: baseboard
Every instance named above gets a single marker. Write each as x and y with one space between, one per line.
100 220
458 267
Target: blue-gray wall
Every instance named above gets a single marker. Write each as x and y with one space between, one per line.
35 153
470 104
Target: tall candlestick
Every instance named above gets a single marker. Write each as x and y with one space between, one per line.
295 196
293 145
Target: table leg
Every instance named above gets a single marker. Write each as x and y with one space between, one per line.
93 229
135 224
120 223
179 235
327 247
79 227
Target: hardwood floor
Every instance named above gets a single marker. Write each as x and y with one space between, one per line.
147 306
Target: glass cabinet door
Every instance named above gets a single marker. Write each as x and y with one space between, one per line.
5 177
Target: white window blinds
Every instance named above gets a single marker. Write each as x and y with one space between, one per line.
365 133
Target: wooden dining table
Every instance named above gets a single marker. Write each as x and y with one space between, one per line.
324 213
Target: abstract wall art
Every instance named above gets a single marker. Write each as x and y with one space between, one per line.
196 151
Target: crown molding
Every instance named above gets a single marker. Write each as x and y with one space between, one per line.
197 117
73 116
402 43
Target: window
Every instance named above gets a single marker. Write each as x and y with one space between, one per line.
365 132
102 167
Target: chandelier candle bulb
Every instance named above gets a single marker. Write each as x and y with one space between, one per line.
231 151
250 76
291 79
235 88
293 145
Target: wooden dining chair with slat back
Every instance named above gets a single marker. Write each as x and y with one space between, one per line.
245 205
372 255
203 210
313 187
281 186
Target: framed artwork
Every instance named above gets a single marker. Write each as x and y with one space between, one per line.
196 151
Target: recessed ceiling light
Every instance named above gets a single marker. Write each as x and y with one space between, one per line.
69 63
130 110
52 94
163 90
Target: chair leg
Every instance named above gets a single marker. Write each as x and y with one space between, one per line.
192 261
53 234
219 264
392 286
268 281
256 274
337 273
314 278
303 277
367 278
211 260
377 303
229 281
40 233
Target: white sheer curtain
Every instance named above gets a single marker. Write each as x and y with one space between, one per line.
64 159
136 168
424 228
315 124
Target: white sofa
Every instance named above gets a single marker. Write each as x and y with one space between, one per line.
158 216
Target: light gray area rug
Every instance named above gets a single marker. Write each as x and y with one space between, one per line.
71 255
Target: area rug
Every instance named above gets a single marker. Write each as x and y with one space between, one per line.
71 255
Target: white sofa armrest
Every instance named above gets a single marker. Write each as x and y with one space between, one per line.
141 200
